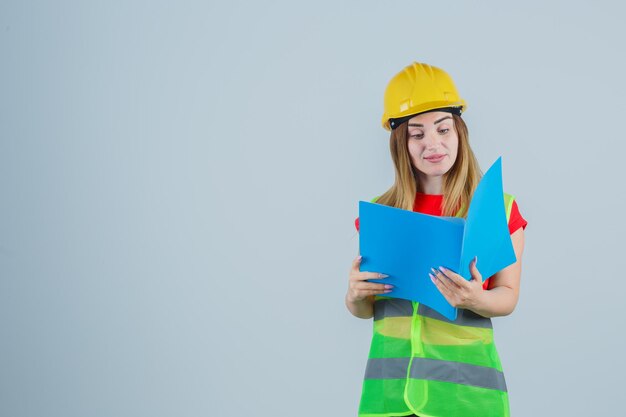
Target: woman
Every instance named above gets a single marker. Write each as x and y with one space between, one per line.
421 363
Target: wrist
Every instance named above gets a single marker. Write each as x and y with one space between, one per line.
362 309
481 302
352 299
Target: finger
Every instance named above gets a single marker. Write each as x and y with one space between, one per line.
439 281
365 293
376 292
362 276
372 286
356 263
444 279
474 270
453 277
360 295
445 291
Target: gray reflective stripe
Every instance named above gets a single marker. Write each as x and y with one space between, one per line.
457 372
436 370
463 318
398 307
392 307
386 368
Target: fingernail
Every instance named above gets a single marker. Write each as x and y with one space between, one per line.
386 291
432 277
387 286
475 260
382 275
359 258
443 269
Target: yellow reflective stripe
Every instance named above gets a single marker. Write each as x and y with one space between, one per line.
399 327
398 307
437 332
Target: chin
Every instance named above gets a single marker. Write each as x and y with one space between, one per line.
436 172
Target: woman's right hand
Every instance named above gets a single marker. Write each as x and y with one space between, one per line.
359 289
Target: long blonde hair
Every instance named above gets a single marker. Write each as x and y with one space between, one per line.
459 182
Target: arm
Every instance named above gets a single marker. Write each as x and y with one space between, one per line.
503 293
363 309
501 297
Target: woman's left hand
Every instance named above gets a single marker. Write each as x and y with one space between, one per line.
459 292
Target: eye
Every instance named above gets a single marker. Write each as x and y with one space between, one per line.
444 131
417 135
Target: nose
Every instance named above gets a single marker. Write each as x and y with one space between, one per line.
432 140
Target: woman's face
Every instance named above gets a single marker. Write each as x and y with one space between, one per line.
433 143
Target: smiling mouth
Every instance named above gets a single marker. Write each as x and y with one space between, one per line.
435 158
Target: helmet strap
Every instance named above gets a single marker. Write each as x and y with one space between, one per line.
394 123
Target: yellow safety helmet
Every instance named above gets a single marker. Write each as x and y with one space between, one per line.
419 88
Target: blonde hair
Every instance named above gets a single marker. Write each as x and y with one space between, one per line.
459 182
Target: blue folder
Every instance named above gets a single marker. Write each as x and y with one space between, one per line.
405 245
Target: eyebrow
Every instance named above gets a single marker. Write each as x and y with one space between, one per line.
436 121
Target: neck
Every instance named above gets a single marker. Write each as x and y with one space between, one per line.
431 185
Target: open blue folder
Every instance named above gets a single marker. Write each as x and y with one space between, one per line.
405 244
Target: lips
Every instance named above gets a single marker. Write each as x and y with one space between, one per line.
434 158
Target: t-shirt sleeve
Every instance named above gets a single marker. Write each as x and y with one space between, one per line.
515 222
515 219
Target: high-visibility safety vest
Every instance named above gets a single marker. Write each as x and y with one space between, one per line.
422 363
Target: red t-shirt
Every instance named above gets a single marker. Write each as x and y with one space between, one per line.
431 204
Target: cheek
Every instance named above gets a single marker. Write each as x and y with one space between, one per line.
415 150
454 148
453 145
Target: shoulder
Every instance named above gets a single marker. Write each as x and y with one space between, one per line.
509 200
356 221
513 214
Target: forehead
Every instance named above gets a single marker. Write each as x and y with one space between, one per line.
430 117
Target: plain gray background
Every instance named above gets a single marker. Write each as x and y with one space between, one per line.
179 182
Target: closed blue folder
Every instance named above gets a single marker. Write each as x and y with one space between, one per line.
405 245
